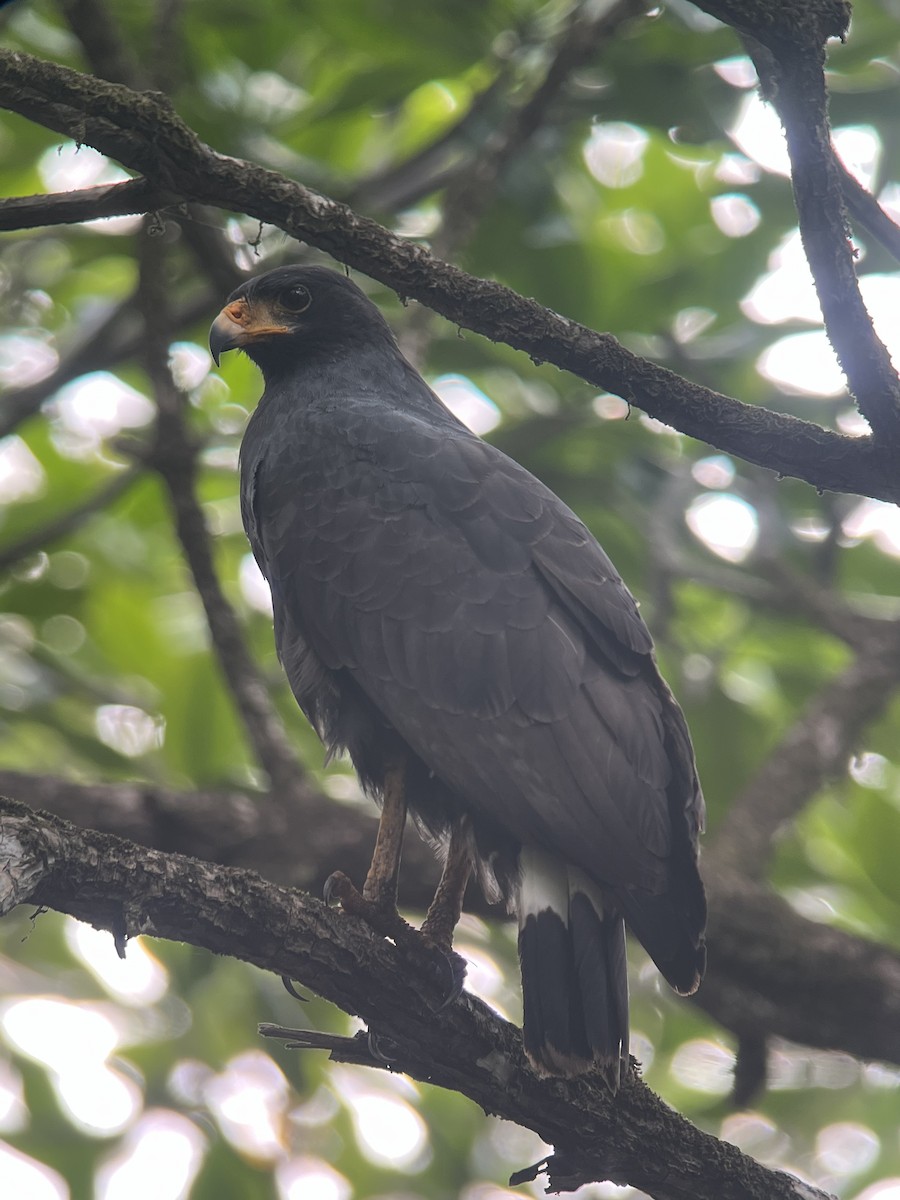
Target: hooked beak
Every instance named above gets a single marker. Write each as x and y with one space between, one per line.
237 325
224 334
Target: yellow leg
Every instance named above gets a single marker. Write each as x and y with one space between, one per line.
380 887
444 910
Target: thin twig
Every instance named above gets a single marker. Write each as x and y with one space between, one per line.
174 457
69 521
869 214
815 750
116 338
470 190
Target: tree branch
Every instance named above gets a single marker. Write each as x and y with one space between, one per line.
815 749
771 971
792 73
174 457
68 521
469 194
868 213
71 208
144 133
774 973
299 847
634 1139
117 337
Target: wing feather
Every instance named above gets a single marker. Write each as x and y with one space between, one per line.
483 620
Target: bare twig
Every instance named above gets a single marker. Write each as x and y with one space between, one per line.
868 213
814 750
792 73
69 521
174 457
97 28
588 28
470 190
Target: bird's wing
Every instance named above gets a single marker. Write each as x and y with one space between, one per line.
485 623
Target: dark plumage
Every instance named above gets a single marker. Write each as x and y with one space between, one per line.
436 605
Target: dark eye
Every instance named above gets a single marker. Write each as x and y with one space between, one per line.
296 299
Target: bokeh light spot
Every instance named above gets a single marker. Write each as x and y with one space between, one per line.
614 153
726 524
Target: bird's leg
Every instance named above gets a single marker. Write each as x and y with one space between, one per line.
444 911
376 904
380 887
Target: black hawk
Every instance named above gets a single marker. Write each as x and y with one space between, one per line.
444 618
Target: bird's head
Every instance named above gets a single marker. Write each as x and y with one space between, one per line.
291 312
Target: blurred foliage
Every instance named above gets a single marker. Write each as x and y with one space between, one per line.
105 667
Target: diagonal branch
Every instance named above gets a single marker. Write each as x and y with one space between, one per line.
588 28
144 133
115 885
816 749
772 972
868 213
116 337
174 456
68 521
792 72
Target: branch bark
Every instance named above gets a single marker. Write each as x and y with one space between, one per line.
792 72
771 971
634 1139
146 135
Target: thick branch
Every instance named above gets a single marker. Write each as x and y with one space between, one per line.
634 1139
773 973
766 961
145 134
298 846
109 55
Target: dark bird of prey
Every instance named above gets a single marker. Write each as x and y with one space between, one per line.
450 623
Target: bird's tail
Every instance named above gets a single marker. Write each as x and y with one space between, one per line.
574 977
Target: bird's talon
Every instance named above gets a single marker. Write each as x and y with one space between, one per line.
291 990
452 969
377 1049
337 889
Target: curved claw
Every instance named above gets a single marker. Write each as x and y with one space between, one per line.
453 967
376 1044
336 888
291 990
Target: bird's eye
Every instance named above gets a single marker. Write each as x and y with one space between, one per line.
296 299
